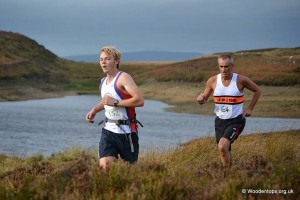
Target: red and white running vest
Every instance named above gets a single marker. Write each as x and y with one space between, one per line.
228 100
117 113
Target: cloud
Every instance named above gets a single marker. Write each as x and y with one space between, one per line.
80 27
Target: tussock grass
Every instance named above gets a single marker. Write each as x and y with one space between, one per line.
191 171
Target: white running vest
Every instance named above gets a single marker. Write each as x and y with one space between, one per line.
228 100
112 112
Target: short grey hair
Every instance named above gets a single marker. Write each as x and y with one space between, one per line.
226 56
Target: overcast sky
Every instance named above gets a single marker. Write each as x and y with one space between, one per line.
75 27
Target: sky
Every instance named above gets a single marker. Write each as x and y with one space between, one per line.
79 27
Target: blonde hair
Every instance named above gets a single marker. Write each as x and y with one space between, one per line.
112 51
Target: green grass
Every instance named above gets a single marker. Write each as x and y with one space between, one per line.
191 171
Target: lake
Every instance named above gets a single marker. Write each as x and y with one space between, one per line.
49 126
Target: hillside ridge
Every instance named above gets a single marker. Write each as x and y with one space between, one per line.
26 64
28 67
144 56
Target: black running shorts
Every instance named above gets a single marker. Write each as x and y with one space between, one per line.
114 144
229 128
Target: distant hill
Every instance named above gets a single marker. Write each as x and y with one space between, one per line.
274 66
28 70
26 64
23 58
142 56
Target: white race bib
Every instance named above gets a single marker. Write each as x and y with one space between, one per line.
113 113
224 110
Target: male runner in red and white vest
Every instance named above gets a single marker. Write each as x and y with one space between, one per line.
227 88
120 95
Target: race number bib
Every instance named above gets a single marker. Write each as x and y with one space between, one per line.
224 110
113 114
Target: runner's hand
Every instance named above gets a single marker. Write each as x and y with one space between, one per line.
201 99
107 100
247 113
90 116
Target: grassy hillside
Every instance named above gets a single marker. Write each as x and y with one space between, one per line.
28 70
23 58
192 171
276 67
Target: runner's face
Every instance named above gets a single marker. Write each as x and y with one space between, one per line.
107 62
225 67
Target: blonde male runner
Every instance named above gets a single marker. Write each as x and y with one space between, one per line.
120 95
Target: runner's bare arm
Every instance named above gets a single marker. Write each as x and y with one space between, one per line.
250 85
203 97
127 84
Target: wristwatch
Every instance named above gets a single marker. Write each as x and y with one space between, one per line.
116 102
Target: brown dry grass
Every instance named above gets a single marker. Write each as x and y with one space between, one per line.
192 171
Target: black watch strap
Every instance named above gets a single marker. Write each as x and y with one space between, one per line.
116 102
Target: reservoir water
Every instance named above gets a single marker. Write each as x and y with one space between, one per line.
49 126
